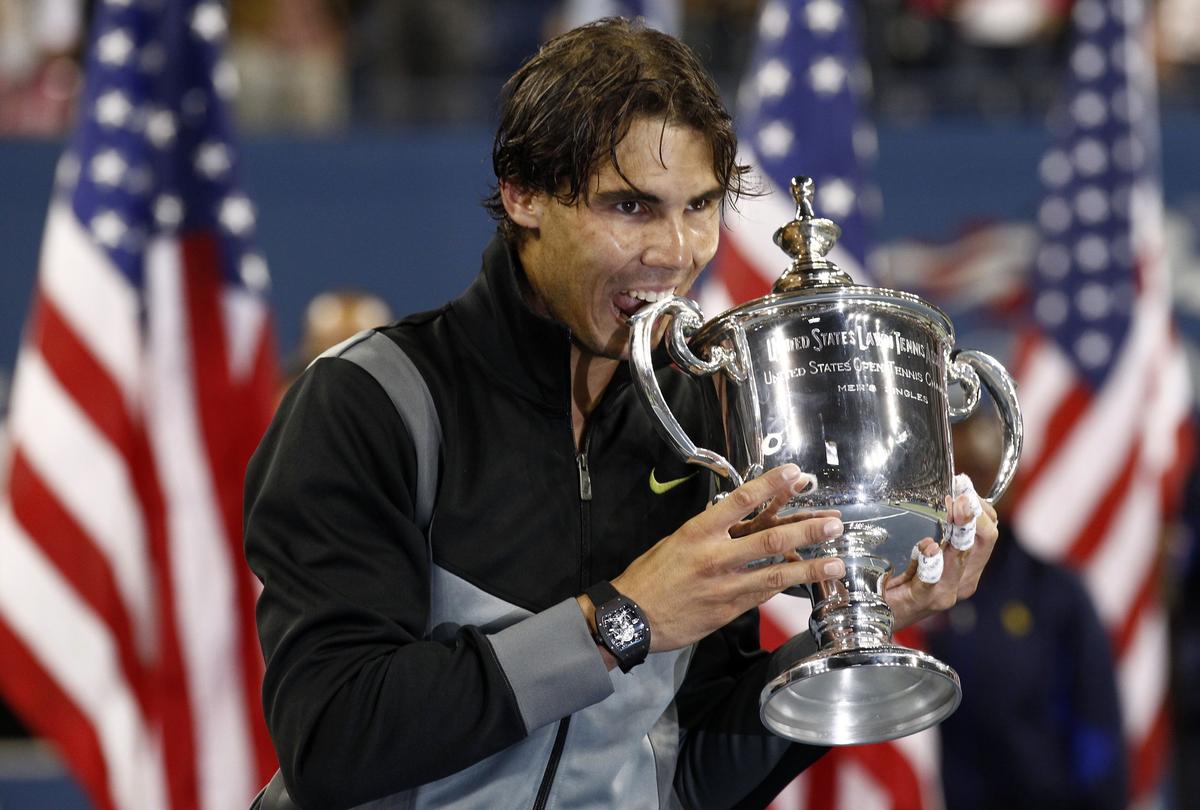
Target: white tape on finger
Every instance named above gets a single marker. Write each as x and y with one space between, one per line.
929 569
963 537
964 486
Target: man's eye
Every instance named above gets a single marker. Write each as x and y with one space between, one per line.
702 204
630 206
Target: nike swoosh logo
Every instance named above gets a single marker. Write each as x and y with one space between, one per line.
663 487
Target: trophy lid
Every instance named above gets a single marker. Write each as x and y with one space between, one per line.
814 279
808 239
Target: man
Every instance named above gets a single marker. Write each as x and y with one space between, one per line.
457 667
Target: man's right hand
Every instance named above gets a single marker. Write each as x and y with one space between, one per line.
695 581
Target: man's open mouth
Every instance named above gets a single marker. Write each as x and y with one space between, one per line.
628 302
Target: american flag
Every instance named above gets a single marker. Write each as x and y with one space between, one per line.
798 112
1104 384
145 378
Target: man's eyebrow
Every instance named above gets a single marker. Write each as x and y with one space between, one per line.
616 195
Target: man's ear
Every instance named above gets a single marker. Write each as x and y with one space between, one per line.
524 206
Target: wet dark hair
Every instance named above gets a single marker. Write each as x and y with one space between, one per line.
563 113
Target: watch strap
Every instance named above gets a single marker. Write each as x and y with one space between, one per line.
602 593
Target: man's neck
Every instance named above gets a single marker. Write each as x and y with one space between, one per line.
590 375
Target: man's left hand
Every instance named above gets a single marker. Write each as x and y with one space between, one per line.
911 599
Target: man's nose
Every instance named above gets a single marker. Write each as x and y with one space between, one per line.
668 246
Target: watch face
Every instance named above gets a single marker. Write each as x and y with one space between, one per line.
623 626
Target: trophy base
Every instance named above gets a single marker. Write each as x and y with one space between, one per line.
850 697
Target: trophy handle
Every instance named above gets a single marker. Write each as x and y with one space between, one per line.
968 369
687 319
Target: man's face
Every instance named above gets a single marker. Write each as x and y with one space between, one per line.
595 263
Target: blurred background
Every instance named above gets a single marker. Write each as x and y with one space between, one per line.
364 135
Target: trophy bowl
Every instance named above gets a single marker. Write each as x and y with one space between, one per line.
851 383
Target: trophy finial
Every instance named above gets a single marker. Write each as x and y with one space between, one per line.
807 239
802 192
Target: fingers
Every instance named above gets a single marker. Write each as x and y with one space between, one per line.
764 583
965 511
778 541
929 561
781 482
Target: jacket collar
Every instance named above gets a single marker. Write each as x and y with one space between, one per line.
523 351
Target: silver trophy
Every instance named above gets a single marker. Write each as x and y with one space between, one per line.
850 383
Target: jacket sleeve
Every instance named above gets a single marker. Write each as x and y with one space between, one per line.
359 704
727 757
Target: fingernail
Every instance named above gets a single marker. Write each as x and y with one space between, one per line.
805 484
832 528
790 472
833 568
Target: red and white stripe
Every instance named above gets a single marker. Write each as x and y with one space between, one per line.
126 610
1098 474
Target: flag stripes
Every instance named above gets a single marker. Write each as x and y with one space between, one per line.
145 378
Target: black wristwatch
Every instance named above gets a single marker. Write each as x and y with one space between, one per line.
621 627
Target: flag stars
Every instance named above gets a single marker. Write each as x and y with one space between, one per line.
113 109
1091 204
237 214
66 173
208 21
835 197
827 75
1089 14
1055 169
1087 61
225 79
1093 301
773 22
254 272
107 168
1092 253
1089 109
1055 215
115 47
773 78
1052 307
1090 157
213 159
168 211
160 128
1093 348
108 228
823 16
866 142
775 139
1128 106
1128 153
1054 261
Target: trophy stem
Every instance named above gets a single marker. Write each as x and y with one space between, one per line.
850 613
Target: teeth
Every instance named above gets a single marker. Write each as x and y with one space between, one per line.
650 296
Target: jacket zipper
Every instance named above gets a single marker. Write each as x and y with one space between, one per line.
560 740
585 541
585 511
